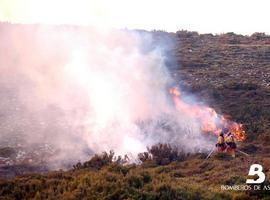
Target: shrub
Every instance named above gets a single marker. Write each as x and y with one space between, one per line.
242 86
145 156
7 152
241 196
100 160
97 161
164 154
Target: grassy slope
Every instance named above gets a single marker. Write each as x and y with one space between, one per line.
232 74
191 179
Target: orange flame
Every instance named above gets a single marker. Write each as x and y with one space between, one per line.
210 121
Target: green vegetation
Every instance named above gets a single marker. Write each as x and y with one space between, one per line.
105 176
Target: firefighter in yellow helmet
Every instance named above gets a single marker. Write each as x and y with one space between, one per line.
231 145
221 146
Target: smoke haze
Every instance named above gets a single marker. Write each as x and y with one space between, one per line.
84 91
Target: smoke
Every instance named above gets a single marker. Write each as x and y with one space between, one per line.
85 91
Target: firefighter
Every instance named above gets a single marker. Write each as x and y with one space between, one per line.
221 146
231 145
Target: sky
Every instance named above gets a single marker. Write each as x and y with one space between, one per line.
204 16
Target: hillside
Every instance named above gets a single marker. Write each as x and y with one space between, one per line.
229 72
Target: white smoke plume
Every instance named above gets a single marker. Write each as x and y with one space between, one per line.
84 91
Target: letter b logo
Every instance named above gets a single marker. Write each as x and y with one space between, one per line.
256 169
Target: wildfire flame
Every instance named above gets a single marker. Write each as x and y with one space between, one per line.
210 121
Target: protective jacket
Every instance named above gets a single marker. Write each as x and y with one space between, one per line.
220 140
229 139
